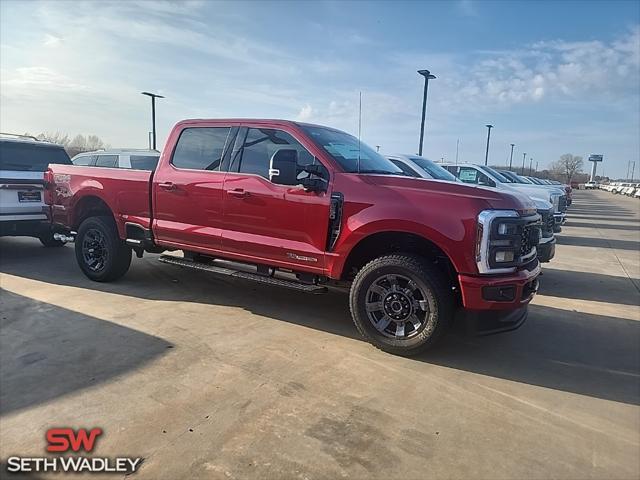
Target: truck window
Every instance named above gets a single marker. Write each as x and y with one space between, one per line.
261 144
84 160
110 161
143 162
406 169
200 148
471 175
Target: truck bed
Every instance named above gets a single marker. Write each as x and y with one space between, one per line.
78 188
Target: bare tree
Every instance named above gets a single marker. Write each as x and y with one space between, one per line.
567 166
79 144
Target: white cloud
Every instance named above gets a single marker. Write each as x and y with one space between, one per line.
305 113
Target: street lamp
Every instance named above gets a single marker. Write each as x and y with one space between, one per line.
153 113
524 155
511 157
530 165
427 76
486 155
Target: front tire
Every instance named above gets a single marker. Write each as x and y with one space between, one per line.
401 303
101 254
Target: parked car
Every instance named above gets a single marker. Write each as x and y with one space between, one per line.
591 185
23 162
522 182
488 177
420 167
304 206
119 158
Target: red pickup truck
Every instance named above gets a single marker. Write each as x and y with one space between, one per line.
310 207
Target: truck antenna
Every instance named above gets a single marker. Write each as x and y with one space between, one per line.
359 129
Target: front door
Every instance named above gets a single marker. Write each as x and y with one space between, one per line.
281 225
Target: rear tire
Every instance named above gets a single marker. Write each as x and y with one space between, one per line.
48 241
101 254
401 303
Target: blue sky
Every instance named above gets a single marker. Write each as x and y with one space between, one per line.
553 77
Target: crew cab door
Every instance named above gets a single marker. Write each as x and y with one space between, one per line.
187 189
267 221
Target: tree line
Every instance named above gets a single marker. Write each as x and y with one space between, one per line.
73 146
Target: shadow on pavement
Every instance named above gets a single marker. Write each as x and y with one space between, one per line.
589 354
589 286
602 226
592 355
598 242
47 351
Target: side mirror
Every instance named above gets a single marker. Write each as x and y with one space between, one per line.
315 181
283 167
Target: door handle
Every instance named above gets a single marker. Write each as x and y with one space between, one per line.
167 185
238 192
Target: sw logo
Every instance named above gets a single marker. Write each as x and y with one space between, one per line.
68 440
65 439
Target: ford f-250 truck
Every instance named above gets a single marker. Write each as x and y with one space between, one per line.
310 207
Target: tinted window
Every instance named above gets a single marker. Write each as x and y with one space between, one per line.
261 144
200 148
406 169
433 169
497 175
471 175
143 162
84 160
107 161
24 156
352 155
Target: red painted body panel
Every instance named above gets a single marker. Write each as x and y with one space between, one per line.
126 193
287 226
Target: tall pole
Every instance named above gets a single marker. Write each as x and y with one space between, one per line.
511 156
486 155
633 170
530 165
427 76
524 155
536 166
457 149
628 166
153 114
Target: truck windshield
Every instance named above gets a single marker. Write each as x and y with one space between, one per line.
496 174
23 156
346 149
433 169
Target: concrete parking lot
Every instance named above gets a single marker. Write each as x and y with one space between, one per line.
215 378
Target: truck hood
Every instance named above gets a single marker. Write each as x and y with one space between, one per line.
537 190
493 198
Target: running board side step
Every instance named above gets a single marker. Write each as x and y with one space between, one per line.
278 282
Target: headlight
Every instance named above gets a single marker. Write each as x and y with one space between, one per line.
505 240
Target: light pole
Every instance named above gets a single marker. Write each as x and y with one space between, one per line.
530 165
427 76
377 148
153 113
524 155
511 156
536 166
486 155
457 149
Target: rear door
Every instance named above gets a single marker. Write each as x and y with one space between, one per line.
22 166
265 221
187 189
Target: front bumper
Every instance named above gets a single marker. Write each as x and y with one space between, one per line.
546 250
499 292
